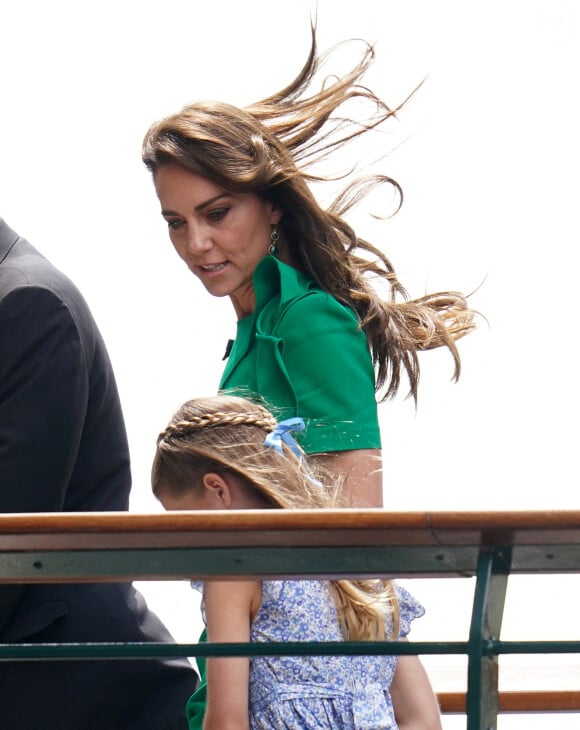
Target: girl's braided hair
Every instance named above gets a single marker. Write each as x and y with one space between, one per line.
225 434
265 421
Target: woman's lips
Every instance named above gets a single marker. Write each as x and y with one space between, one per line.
212 269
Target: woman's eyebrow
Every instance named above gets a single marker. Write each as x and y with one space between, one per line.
210 201
197 208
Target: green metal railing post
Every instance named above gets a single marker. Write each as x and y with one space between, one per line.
488 604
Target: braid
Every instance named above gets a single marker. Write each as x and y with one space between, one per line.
262 419
192 446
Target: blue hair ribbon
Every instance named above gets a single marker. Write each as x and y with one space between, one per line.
283 433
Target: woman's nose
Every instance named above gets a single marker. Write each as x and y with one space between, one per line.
198 240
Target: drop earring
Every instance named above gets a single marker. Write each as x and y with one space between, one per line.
274 248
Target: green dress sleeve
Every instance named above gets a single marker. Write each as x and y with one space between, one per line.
314 362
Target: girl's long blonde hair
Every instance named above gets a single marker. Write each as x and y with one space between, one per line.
225 434
268 148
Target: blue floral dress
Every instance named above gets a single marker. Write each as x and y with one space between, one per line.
315 693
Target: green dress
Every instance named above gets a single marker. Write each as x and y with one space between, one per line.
303 354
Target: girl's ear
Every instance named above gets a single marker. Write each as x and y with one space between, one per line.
217 491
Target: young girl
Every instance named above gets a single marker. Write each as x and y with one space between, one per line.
229 453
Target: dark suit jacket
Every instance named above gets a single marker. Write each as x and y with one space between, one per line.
63 447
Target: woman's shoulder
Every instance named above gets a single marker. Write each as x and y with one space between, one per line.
285 295
275 279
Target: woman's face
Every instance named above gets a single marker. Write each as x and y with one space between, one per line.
220 235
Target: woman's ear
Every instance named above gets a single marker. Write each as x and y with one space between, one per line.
217 491
275 215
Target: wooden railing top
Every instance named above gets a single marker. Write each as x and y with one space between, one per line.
314 543
291 527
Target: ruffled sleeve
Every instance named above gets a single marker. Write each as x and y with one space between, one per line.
409 609
197 585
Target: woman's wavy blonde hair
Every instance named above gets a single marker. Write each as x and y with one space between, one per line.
266 148
225 434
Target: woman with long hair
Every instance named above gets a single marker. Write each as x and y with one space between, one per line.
315 338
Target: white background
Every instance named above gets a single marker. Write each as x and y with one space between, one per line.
487 153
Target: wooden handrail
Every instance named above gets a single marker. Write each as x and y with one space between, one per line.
263 527
517 701
365 542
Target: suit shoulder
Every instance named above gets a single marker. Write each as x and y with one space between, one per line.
26 271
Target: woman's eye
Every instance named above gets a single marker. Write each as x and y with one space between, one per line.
217 214
174 224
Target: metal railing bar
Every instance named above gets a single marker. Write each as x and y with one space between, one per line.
135 650
483 671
